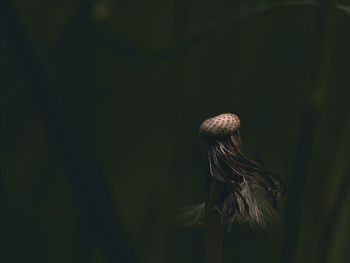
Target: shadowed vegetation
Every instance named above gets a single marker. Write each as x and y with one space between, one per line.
101 104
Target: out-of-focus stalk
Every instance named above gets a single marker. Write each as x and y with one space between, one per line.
213 237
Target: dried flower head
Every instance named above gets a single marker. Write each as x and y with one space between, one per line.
223 125
247 191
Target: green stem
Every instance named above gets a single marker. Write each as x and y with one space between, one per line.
313 110
213 238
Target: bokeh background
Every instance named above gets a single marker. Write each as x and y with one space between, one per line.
101 101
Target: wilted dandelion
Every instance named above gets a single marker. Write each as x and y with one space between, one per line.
246 192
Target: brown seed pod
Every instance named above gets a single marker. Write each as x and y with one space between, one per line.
221 125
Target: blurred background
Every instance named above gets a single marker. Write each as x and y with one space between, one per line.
101 101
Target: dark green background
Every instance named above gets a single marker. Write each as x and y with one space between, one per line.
101 101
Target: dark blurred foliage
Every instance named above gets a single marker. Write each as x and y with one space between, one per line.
101 101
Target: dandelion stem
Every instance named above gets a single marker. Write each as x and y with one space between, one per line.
213 238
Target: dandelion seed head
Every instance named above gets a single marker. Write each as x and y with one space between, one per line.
248 193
